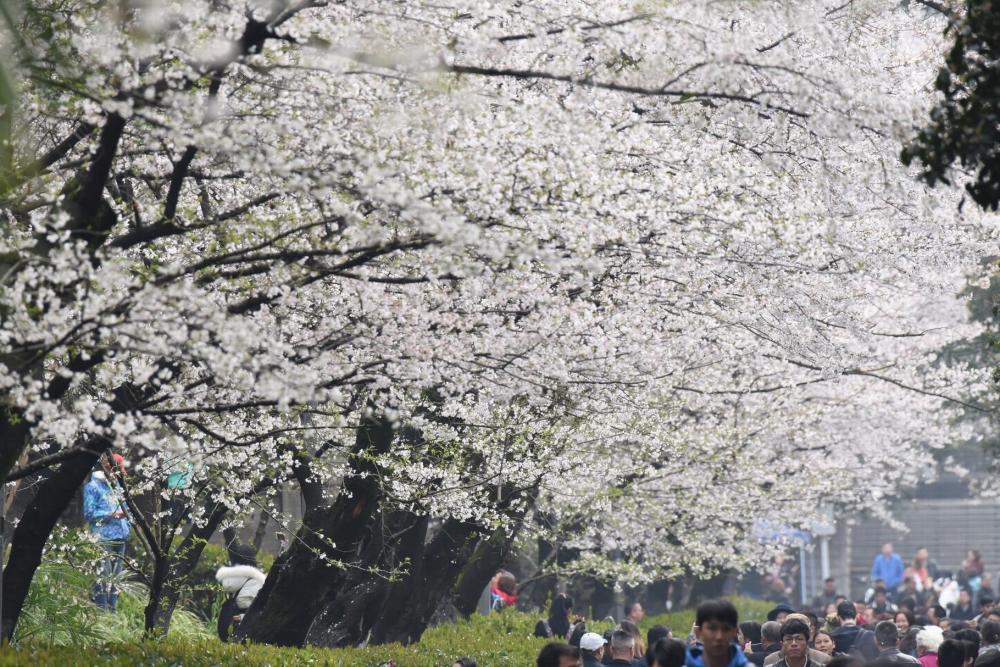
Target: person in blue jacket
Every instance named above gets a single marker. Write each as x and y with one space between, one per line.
105 515
888 567
715 629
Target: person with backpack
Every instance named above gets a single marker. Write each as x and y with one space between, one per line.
850 637
242 579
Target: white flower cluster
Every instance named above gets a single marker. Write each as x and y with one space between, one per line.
644 273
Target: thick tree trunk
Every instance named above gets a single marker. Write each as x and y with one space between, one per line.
347 617
489 556
32 532
304 576
413 601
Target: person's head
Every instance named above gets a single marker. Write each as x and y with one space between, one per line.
904 619
952 653
909 603
929 639
965 597
859 607
465 662
622 645
886 549
831 610
592 644
880 596
833 621
990 630
750 631
638 648
716 625
824 642
909 583
496 578
994 614
770 633
813 622
779 613
799 616
667 652
986 604
829 585
557 654
936 612
908 641
507 582
242 554
920 560
869 616
795 639
653 635
847 611
634 612
974 555
971 637
886 634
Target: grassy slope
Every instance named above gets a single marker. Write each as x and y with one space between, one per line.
62 628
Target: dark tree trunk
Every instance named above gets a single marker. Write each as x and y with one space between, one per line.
372 609
354 607
154 607
309 572
489 556
413 600
33 531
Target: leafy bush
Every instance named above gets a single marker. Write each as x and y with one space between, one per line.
58 610
497 640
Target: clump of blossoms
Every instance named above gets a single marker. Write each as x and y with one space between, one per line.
653 264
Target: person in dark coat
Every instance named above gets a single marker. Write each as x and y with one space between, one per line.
851 638
887 639
562 607
770 640
592 647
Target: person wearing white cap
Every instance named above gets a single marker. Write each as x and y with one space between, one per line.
592 648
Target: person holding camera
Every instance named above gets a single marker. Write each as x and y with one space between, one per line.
106 517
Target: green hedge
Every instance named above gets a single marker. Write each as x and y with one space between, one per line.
497 640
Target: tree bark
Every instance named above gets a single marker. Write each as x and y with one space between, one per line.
304 576
412 602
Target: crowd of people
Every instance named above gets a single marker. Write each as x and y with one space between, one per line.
854 635
912 614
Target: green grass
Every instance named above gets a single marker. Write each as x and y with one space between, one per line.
58 610
60 626
497 640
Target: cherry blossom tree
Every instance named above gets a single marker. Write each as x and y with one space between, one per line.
630 278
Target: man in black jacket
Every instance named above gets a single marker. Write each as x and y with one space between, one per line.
887 639
592 649
770 639
849 637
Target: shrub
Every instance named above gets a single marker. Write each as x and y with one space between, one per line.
496 640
